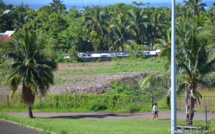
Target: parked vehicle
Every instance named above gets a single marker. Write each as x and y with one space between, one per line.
66 56
82 55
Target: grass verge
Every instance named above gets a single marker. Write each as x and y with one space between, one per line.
82 126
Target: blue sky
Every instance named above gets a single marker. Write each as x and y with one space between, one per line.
93 2
88 2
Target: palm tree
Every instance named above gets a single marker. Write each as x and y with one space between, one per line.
194 68
95 23
26 63
95 20
164 44
157 23
138 21
211 14
2 5
21 16
122 32
196 7
58 7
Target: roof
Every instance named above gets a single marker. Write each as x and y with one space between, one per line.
7 33
5 38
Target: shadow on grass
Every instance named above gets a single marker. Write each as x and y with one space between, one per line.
89 116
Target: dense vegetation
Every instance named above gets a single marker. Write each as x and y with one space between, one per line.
117 27
121 28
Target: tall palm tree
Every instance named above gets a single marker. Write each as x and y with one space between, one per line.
21 16
122 32
211 14
58 7
194 68
95 20
138 21
26 63
157 23
195 6
164 44
95 23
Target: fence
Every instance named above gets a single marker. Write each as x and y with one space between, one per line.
206 101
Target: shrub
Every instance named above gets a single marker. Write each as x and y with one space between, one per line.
97 106
134 107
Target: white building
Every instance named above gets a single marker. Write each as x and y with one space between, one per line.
7 33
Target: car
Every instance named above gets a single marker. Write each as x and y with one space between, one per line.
83 55
66 56
122 54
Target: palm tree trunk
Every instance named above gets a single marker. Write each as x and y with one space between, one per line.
28 98
30 115
190 108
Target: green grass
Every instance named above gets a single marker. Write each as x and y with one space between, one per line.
82 126
123 65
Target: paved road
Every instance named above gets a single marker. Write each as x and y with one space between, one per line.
11 128
115 116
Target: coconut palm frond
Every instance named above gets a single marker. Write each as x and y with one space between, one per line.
186 68
155 80
198 96
208 80
209 67
13 82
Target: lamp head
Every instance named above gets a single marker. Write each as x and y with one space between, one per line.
7 12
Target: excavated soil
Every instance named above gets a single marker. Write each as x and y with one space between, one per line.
84 83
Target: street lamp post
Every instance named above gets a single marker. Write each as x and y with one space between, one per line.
6 12
173 73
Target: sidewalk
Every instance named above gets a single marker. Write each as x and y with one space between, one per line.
114 116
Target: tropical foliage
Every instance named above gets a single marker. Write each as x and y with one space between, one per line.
124 27
24 62
110 28
195 61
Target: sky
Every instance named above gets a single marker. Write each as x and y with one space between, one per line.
93 2
46 2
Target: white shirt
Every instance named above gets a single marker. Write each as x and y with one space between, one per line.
155 108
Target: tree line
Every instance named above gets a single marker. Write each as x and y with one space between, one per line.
118 27
42 35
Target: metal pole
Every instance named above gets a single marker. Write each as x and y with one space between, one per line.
173 74
185 93
206 118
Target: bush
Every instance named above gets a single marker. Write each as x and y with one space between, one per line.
133 107
97 106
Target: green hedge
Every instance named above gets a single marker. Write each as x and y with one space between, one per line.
115 103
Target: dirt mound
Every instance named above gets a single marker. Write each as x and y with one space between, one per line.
92 83
86 83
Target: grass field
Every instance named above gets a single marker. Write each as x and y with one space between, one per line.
82 126
118 66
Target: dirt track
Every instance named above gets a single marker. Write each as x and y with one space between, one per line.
115 116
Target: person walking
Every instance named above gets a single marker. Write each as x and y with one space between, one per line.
155 112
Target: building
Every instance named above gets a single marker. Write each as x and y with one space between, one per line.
6 35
